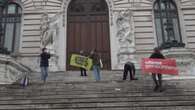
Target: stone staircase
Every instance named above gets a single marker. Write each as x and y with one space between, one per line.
72 76
69 91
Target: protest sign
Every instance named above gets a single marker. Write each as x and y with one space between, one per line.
160 66
81 61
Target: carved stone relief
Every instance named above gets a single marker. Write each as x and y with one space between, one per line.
49 37
44 29
125 36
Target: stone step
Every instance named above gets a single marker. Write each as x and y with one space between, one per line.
104 105
123 108
133 108
98 99
103 86
75 76
101 95
131 86
85 94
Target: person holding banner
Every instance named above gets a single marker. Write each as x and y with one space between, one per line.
157 77
96 64
44 63
83 70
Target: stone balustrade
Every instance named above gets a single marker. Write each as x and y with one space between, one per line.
10 70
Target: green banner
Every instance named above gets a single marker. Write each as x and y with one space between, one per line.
81 61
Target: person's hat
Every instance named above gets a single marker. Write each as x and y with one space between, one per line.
157 49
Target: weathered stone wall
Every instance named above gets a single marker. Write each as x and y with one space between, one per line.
32 16
34 26
132 30
188 13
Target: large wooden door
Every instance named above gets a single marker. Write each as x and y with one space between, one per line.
88 29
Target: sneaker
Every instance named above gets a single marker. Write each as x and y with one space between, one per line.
134 79
155 88
161 89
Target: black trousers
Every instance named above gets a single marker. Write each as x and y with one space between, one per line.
157 78
130 69
83 72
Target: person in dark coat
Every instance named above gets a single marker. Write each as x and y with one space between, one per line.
157 77
129 67
44 63
83 70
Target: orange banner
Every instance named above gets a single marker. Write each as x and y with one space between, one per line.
159 66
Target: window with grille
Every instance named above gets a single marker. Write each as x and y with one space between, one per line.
167 24
10 27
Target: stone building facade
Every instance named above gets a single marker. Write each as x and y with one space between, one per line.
135 27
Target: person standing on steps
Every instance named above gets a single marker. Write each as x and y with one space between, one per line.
129 67
96 64
157 77
44 64
83 70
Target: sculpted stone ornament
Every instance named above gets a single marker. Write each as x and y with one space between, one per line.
44 29
49 37
125 35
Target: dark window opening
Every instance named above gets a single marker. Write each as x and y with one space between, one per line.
167 24
10 27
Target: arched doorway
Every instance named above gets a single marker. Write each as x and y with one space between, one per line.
88 28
